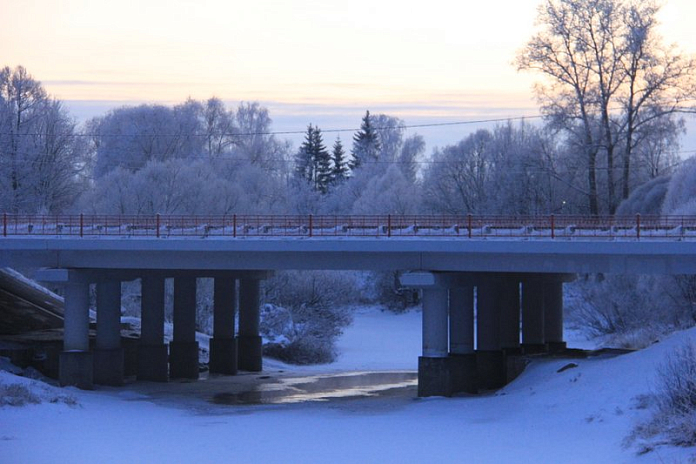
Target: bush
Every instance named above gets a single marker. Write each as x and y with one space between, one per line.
16 394
677 379
631 311
674 418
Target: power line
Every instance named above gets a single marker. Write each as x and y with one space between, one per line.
288 132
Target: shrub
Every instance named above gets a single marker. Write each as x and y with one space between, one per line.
16 394
674 401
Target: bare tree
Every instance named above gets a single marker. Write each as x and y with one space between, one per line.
609 79
40 154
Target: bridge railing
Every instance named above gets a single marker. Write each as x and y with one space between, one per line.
464 226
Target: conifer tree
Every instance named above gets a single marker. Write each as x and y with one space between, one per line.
339 170
321 160
366 144
313 161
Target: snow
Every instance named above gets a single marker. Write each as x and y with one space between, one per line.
581 414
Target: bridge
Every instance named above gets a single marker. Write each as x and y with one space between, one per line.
492 286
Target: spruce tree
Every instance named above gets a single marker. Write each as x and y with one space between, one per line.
340 169
321 162
366 144
313 161
303 158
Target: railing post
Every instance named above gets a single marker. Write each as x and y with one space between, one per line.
82 224
310 225
234 225
4 224
638 226
157 224
468 219
389 225
553 226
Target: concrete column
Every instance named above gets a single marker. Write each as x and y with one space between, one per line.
223 345
490 358
553 315
183 350
108 355
152 351
461 308
76 361
434 373
249 347
435 326
533 339
509 302
461 326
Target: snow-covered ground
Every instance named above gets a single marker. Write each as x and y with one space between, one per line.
581 414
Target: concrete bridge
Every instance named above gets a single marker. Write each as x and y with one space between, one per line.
508 272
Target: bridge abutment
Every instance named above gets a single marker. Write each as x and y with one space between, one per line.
183 349
249 347
223 345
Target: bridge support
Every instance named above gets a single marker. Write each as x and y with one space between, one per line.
533 337
223 345
461 352
249 349
76 361
183 350
108 355
490 358
434 367
553 315
152 351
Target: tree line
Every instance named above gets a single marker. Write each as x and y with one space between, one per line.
611 92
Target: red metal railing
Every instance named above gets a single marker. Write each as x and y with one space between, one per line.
469 226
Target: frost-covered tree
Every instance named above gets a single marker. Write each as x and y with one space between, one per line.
219 127
130 137
339 164
411 150
254 142
366 143
681 192
610 83
41 155
313 161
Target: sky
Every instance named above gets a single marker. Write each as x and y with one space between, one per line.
319 61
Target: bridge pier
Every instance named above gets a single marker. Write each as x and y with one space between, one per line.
76 362
108 354
183 349
223 345
490 357
152 351
533 335
553 315
249 348
461 351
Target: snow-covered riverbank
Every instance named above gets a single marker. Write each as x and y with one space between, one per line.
581 414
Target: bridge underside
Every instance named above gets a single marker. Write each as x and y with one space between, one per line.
476 326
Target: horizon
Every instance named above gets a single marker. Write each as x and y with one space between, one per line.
307 62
